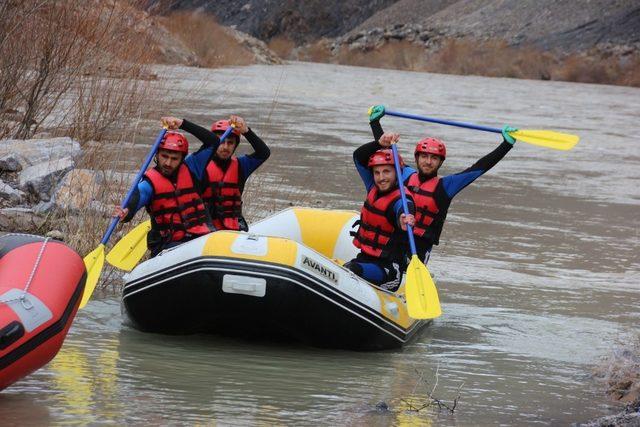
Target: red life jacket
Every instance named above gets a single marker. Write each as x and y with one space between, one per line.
426 207
222 195
376 232
176 209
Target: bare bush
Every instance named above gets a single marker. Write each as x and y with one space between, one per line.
78 68
630 75
396 54
578 68
69 61
213 45
319 51
491 58
620 371
282 46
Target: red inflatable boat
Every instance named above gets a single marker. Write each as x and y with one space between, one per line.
41 283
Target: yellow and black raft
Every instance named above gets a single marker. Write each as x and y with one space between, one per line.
283 279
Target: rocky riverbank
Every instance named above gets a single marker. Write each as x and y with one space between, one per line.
30 172
44 188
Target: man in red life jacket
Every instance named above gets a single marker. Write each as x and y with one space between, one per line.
432 194
381 235
226 174
169 192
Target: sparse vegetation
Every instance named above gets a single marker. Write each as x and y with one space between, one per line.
282 46
620 372
493 58
213 45
417 402
497 59
80 69
69 66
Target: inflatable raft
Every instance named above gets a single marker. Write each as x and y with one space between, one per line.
283 279
41 283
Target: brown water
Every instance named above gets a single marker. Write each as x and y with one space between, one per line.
538 272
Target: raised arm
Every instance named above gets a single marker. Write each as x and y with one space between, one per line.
453 184
261 152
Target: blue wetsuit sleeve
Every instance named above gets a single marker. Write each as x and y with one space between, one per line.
365 175
407 171
141 197
248 165
146 194
453 184
251 162
361 158
197 162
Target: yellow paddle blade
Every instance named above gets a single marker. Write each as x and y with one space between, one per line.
131 248
547 138
421 292
93 263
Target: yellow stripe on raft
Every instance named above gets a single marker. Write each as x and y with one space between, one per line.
402 318
279 251
320 229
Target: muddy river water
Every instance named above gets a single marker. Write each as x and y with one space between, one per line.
538 270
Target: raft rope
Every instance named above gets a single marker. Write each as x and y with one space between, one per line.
23 298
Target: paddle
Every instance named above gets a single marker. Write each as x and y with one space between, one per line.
94 261
542 138
420 291
129 250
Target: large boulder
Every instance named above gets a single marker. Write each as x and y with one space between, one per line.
18 154
21 219
82 189
13 195
10 162
40 163
78 189
39 180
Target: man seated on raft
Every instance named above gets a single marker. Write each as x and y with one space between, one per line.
381 235
226 175
169 191
432 194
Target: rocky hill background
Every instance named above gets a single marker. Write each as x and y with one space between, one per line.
300 21
566 25
595 41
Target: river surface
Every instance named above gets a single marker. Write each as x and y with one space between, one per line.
538 270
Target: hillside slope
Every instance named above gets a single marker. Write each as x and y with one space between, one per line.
300 21
565 25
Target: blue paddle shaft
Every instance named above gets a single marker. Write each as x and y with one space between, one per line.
136 180
146 164
405 206
443 122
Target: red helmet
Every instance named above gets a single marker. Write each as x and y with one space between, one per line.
431 146
174 141
383 157
223 125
